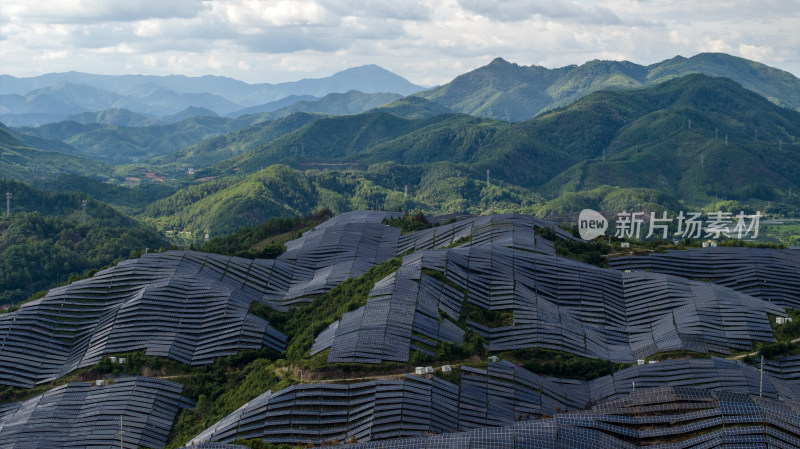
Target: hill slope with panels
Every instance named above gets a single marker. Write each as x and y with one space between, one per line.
85 415
502 395
188 306
555 303
349 244
658 418
193 307
769 274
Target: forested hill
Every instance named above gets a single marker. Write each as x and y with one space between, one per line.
20 161
45 241
508 91
696 139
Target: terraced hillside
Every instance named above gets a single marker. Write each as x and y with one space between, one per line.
92 415
654 418
506 397
769 274
315 346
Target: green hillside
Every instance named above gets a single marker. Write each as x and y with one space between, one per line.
120 144
673 138
129 200
218 148
372 137
45 241
656 147
412 107
507 91
21 162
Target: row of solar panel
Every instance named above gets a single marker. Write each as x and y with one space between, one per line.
769 274
554 303
184 305
499 396
138 412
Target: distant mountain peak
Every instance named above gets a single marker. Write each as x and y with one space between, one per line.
500 61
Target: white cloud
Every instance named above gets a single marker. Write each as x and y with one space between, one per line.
428 41
717 46
90 11
756 53
214 63
516 10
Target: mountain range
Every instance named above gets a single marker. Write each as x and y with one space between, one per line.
689 140
53 97
661 136
511 92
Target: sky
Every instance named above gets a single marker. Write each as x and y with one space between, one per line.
428 42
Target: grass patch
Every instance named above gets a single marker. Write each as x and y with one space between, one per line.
561 364
485 317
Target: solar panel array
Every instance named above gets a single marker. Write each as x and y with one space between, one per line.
85 415
556 303
766 273
343 247
499 396
349 244
192 307
787 368
188 306
661 418
509 230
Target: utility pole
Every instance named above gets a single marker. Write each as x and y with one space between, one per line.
405 191
761 386
487 179
83 218
121 432
8 204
